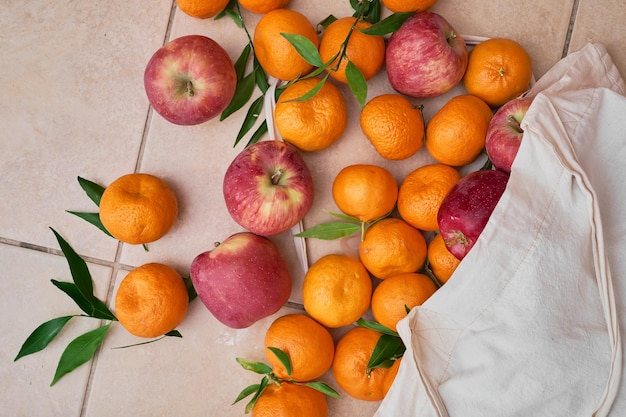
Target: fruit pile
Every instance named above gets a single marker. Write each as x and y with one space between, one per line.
412 231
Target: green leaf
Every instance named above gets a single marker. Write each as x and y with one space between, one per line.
313 91
173 333
357 83
343 216
242 62
78 268
430 274
243 92
258 134
254 399
260 77
376 326
94 191
251 117
93 218
283 358
327 21
249 390
323 388
191 291
94 308
258 367
231 4
79 351
42 336
330 230
305 48
388 25
233 15
387 349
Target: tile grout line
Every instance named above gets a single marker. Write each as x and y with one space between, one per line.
116 265
570 28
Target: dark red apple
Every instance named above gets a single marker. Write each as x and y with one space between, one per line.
425 57
504 134
268 188
242 280
190 80
467 207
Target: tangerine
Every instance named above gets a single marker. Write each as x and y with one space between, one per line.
202 9
393 125
441 261
408 5
288 400
262 6
151 300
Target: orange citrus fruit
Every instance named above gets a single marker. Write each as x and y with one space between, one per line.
202 9
498 70
422 192
308 344
364 191
393 125
151 300
337 290
441 261
262 6
408 5
275 53
391 376
352 354
393 296
392 246
366 52
138 208
288 400
456 134
313 124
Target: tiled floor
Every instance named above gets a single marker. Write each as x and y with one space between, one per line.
74 105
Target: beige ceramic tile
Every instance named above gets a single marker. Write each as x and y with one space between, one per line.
28 300
73 74
601 21
541 28
196 375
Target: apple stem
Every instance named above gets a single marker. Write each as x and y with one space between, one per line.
514 124
190 91
450 38
276 176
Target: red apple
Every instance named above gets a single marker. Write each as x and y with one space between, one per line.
242 280
504 134
190 80
425 57
467 207
268 188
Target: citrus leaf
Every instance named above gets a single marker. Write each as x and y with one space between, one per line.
242 62
94 191
93 218
260 77
305 48
323 388
283 358
78 268
387 349
327 21
243 92
94 308
357 83
79 351
249 390
343 216
251 117
430 274
191 291
42 336
376 326
257 394
233 15
330 230
173 333
258 134
258 367
388 25
313 91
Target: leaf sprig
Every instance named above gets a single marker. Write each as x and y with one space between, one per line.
388 349
256 390
346 226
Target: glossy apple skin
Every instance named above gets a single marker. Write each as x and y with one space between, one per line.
504 134
190 80
425 57
242 280
467 207
268 188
